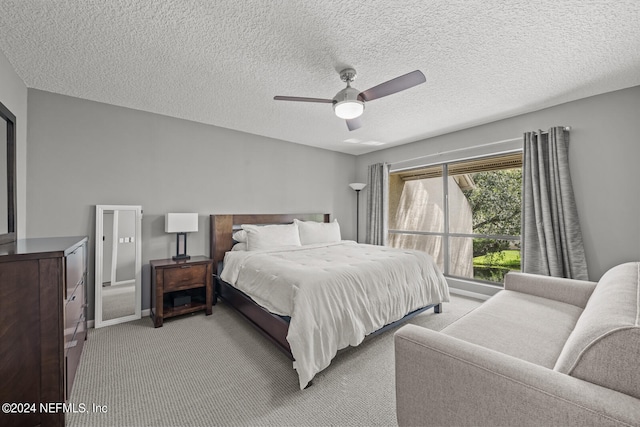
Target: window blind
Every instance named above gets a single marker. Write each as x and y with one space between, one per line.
502 162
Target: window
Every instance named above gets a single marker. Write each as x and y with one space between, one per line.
465 214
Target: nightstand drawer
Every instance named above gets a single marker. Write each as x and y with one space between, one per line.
185 277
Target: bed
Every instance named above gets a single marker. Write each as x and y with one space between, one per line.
331 294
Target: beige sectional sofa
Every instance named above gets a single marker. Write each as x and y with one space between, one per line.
543 351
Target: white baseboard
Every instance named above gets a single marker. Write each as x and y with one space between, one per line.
469 294
472 288
143 313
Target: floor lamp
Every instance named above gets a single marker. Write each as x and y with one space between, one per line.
357 186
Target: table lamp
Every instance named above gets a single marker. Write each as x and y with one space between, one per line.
181 223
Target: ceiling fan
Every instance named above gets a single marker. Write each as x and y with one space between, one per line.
348 104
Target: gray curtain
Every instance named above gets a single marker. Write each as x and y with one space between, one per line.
378 204
551 237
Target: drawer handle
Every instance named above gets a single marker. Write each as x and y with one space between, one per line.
71 344
185 266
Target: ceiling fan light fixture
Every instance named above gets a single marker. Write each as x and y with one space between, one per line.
348 104
348 109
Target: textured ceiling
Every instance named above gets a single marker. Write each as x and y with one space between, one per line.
221 62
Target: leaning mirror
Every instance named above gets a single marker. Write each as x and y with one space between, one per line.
118 293
7 175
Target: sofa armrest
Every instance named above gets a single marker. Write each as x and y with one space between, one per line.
570 291
441 380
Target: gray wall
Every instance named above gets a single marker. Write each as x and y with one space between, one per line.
83 153
604 151
13 94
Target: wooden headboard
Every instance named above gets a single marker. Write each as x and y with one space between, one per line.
222 227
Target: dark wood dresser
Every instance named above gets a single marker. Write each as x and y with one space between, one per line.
43 326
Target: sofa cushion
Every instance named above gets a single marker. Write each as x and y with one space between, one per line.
604 347
525 326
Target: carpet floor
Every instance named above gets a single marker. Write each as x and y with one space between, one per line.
202 370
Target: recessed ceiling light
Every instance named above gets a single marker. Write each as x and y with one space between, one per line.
373 143
352 140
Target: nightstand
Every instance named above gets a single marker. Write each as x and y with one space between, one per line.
180 287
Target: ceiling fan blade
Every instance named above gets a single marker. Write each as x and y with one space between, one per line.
297 98
392 86
354 124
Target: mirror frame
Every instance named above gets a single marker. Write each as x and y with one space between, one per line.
10 118
100 210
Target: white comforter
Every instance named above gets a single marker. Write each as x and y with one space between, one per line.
335 293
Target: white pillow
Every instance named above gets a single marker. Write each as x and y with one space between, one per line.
318 232
240 236
271 236
241 246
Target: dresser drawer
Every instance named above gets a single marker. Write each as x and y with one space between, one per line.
73 351
75 268
74 307
185 277
77 336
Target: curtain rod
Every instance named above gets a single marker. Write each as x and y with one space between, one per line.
504 141
440 153
565 128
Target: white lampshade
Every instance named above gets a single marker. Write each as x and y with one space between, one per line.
349 109
181 222
357 186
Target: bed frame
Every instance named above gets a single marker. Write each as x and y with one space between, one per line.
272 326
